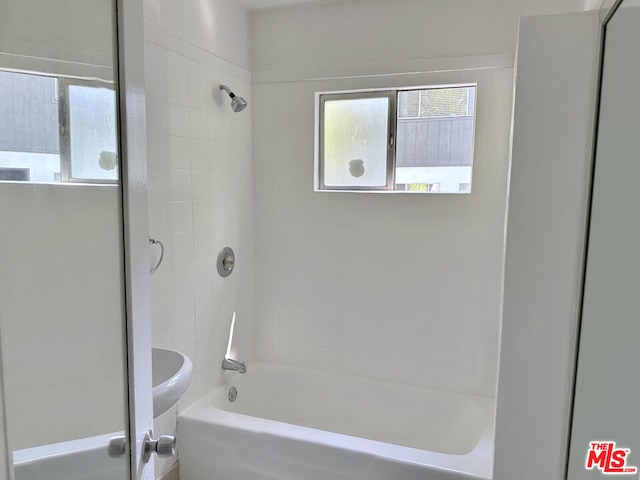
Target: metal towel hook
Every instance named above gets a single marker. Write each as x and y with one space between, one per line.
155 241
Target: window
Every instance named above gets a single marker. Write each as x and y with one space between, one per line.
88 144
55 129
405 140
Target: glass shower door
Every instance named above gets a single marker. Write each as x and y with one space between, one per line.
605 437
63 232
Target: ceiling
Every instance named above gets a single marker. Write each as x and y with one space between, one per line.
261 4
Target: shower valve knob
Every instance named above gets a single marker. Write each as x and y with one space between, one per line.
228 263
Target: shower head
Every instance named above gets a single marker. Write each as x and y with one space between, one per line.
237 103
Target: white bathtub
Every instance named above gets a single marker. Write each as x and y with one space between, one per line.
84 459
297 424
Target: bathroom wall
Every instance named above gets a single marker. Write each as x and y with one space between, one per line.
404 288
200 183
76 38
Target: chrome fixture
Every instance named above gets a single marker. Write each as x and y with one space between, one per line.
226 261
228 363
237 103
155 241
233 394
117 446
231 365
164 446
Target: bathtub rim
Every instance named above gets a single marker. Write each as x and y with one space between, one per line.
477 464
29 455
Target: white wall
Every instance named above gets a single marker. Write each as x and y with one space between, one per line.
378 31
557 70
404 288
65 37
61 312
200 184
362 283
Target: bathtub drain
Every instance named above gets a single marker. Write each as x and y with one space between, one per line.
233 394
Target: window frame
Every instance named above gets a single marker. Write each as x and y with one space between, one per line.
393 95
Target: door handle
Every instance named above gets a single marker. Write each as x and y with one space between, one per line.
117 446
164 446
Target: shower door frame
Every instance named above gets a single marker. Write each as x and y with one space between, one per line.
133 150
136 282
607 11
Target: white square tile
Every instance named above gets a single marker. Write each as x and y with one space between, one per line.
202 214
499 125
203 298
203 184
182 216
198 123
205 357
431 349
501 89
203 243
219 212
180 153
458 379
205 327
181 185
178 78
204 270
305 355
184 280
199 85
430 375
184 307
460 350
201 155
183 247
179 123
186 336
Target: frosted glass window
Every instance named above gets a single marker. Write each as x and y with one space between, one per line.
90 138
356 139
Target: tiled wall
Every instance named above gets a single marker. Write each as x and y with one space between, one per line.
405 288
200 184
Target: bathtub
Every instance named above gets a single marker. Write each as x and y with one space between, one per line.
84 459
291 423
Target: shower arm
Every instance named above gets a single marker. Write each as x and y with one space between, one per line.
228 90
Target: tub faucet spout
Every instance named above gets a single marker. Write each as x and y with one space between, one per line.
231 365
